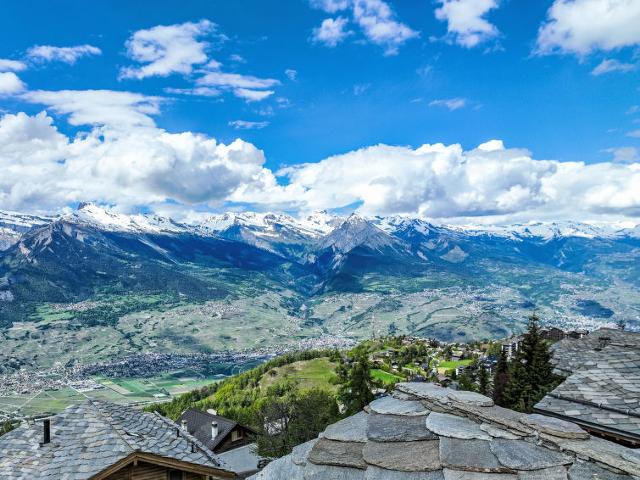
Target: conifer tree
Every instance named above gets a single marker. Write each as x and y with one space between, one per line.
483 381
356 389
531 373
501 379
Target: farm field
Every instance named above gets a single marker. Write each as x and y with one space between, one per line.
116 390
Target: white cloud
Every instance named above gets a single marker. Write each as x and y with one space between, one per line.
330 6
167 49
118 109
466 24
450 103
361 88
252 95
331 32
236 80
612 65
634 134
7 65
70 55
42 169
446 182
45 170
624 154
291 74
378 24
196 91
237 58
583 26
376 20
247 87
10 83
633 109
245 125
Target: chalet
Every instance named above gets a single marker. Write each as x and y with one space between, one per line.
217 433
102 441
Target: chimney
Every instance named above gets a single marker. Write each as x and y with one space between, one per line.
214 430
184 425
46 433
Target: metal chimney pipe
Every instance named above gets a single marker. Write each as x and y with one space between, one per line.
214 430
46 424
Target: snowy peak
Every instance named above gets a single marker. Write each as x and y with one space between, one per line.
355 231
94 216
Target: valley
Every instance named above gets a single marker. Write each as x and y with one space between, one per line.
93 285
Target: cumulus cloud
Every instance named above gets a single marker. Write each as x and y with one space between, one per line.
246 125
450 103
376 19
466 24
167 49
7 65
583 26
118 109
446 182
612 65
69 55
45 170
143 165
10 83
331 32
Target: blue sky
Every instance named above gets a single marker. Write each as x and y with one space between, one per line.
402 73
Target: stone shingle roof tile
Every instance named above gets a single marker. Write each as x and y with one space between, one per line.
467 438
89 437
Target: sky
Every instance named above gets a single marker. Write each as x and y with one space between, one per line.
484 111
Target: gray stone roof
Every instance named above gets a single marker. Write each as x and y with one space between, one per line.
242 460
602 390
89 437
426 432
199 425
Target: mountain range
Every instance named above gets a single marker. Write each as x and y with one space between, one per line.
322 274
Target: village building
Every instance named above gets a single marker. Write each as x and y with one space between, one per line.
425 432
601 392
231 440
103 441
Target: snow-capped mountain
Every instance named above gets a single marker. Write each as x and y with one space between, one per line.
93 251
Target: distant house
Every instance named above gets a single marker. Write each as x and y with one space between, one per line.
103 441
217 433
510 347
553 334
232 441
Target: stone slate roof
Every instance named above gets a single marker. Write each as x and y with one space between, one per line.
89 437
199 425
602 390
242 460
426 432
